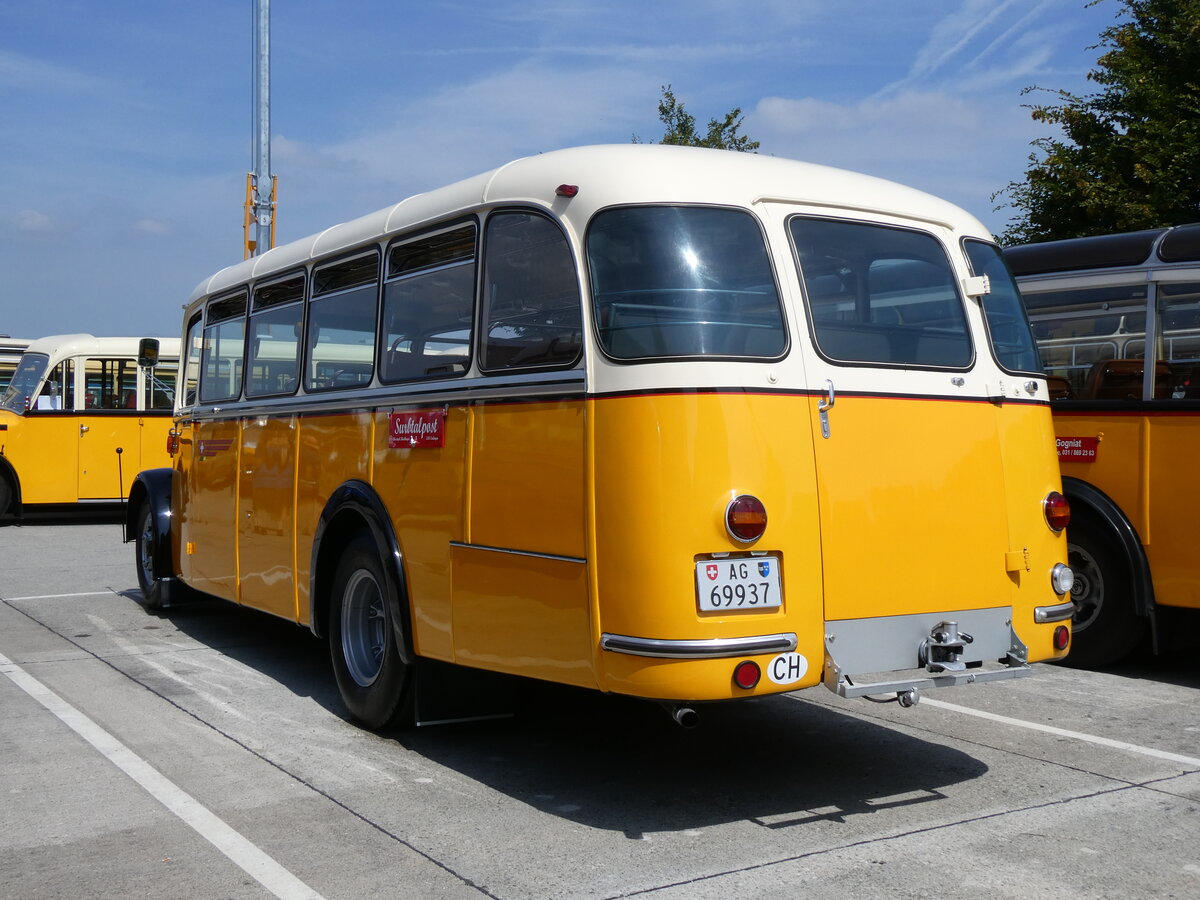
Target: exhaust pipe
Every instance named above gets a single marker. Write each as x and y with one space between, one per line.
683 716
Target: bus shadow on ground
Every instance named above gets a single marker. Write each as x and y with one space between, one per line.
623 765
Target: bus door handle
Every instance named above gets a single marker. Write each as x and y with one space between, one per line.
824 406
83 429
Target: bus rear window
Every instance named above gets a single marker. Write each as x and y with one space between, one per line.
879 294
682 282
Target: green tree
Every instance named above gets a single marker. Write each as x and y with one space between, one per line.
1129 157
681 127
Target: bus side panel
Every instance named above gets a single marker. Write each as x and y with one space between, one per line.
1175 487
522 614
266 520
1118 463
666 468
1030 473
43 449
102 475
333 448
423 488
209 507
152 442
525 611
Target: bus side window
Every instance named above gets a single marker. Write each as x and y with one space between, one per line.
224 344
275 326
58 390
531 294
110 384
428 303
341 324
1179 333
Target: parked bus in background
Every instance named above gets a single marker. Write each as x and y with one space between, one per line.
1117 318
82 416
10 354
675 423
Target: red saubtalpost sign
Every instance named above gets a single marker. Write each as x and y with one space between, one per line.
416 428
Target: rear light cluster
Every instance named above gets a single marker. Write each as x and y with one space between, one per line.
746 518
172 442
1057 510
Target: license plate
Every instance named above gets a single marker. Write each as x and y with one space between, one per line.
742 583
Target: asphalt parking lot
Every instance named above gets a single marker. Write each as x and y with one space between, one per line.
204 753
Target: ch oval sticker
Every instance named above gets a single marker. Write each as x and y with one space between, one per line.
787 668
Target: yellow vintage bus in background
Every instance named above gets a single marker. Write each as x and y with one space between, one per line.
680 424
1117 318
10 354
81 416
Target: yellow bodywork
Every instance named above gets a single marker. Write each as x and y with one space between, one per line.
68 457
539 527
1143 462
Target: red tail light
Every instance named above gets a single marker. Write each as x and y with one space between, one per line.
746 518
1062 637
1057 510
172 442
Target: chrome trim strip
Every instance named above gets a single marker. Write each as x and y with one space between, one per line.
535 555
1060 612
712 648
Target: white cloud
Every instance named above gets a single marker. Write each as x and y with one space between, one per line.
32 220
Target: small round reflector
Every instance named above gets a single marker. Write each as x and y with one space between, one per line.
746 518
746 674
1057 510
1062 637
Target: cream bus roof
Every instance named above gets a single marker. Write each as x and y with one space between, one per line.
614 174
59 346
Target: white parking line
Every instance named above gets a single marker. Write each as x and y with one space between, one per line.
57 596
257 864
1062 732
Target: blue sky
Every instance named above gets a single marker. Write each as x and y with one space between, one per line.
125 125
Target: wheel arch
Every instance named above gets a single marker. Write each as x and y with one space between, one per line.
1085 496
356 506
153 486
8 473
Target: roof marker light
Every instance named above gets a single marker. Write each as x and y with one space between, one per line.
567 190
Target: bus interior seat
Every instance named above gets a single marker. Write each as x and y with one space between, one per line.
1059 387
1121 379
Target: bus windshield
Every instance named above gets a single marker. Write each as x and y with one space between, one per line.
672 281
24 382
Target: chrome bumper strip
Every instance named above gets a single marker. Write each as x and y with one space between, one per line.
1060 612
714 648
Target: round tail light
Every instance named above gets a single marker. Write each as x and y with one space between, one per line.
1062 637
1057 510
746 518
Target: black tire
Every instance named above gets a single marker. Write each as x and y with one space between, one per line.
6 495
153 589
370 674
1106 627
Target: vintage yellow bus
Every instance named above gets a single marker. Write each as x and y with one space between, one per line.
82 416
681 424
10 354
1127 423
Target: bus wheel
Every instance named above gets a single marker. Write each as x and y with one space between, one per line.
370 674
153 589
6 495
1105 627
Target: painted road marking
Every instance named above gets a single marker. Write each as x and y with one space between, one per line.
257 864
58 596
1062 732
